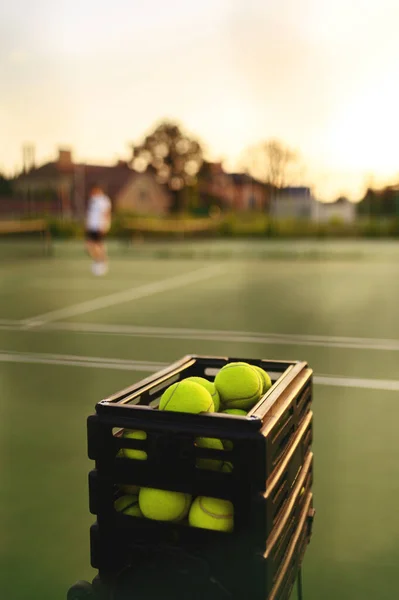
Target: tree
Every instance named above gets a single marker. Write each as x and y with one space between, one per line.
380 203
5 186
274 163
173 156
369 205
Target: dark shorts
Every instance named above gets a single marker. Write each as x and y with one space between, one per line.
94 236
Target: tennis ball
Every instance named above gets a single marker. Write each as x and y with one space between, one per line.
227 467
265 377
209 463
235 411
130 452
187 396
212 513
227 444
239 385
210 386
128 505
162 505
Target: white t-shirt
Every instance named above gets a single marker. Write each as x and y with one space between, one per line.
97 214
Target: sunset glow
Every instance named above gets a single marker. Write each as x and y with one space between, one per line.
96 76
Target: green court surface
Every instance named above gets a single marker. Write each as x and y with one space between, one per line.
68 340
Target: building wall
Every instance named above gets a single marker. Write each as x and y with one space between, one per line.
218 185
142 195
343 211
250 196
237 195
295 203
17 207
57 189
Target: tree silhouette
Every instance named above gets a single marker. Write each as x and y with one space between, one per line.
174 157
5 186
380 203
273 162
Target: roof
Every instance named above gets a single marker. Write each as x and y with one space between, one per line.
296 191
244 178
47 170
112 178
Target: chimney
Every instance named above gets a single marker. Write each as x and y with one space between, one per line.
28 157
64 159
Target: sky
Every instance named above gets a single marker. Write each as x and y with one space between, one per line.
97 76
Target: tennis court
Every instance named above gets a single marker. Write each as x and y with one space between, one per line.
68 340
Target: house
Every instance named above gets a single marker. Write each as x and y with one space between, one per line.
142 195
342 210
233 191
63 187
299 203
66 185
292 203
249 193
214 184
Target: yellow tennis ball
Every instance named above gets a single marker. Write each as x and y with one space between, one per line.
187 396
228 444
128 505
130 452
227 467
163 505
239 385
235 411
209 463
265 377
210 386
212 513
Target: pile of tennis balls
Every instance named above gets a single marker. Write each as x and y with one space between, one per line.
237 387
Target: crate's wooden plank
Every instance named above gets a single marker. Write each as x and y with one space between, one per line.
292 557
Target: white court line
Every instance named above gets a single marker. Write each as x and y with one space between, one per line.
353 382
231 336
9 322
80 361
152 367
217 335
134 293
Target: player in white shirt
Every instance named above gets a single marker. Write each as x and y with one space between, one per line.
98 223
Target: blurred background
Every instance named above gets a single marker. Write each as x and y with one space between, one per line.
233 104
249 151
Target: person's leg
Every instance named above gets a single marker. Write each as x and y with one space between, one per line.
95 245
101 251
91 249
104 258
97 251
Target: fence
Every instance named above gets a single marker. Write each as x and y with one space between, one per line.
16 207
